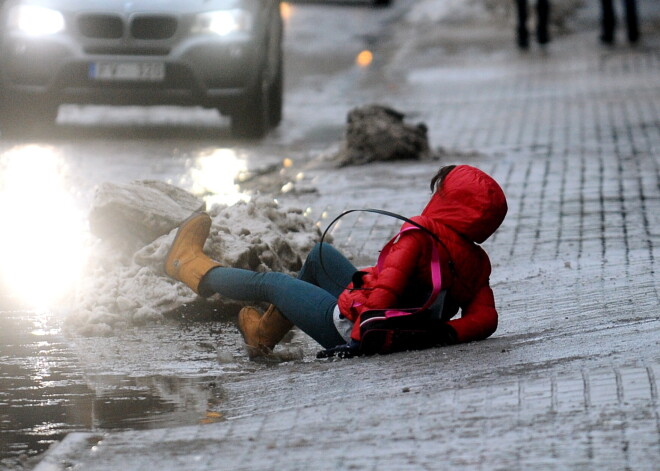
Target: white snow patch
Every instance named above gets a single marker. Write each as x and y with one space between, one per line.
433 11
435 75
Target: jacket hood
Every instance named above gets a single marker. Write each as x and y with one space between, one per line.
470 202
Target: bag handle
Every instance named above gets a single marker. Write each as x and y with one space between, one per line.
436 273
385 213
402 218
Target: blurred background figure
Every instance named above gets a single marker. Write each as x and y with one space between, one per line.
608 24
542 18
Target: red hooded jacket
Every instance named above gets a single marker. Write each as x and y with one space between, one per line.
464 212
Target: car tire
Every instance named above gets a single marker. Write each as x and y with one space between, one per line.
252 120
261 109
276 95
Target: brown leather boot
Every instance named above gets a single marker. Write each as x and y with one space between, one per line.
186 260
262 332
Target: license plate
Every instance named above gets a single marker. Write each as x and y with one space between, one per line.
128 71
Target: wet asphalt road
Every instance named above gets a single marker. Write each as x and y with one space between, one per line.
49 387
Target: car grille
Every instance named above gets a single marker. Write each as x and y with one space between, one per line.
153 27
143 27
101 26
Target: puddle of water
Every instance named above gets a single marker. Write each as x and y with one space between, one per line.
45 394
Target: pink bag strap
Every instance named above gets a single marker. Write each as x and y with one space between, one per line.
436 273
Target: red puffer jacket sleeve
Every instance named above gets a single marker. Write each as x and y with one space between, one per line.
479 318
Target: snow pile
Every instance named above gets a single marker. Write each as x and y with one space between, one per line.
136 213
379 133
124 287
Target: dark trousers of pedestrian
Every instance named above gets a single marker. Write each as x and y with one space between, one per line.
542 19
609 21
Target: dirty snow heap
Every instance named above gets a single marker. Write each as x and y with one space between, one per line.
378 133
125 283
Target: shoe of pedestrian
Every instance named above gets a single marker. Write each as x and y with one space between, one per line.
262 332
186 260
542 36
633 36
607 38
522 38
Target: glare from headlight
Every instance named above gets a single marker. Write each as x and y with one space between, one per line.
36 21
223 23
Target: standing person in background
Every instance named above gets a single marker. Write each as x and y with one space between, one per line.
608 24
542 19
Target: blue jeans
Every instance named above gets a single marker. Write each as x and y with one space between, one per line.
308 301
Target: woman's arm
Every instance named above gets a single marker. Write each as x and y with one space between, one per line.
478 319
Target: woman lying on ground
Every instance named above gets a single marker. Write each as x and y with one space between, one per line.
326 301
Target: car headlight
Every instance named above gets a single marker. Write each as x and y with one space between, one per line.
35 20
223 22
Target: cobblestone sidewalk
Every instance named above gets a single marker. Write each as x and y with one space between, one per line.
604 418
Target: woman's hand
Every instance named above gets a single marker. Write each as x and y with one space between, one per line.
348 350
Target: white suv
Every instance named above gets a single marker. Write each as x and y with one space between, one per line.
223 54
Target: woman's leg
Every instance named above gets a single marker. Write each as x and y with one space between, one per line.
542 20
632 22
306 305
608 22
522 36
327 268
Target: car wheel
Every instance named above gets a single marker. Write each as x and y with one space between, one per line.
262 108
276 93
252 120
